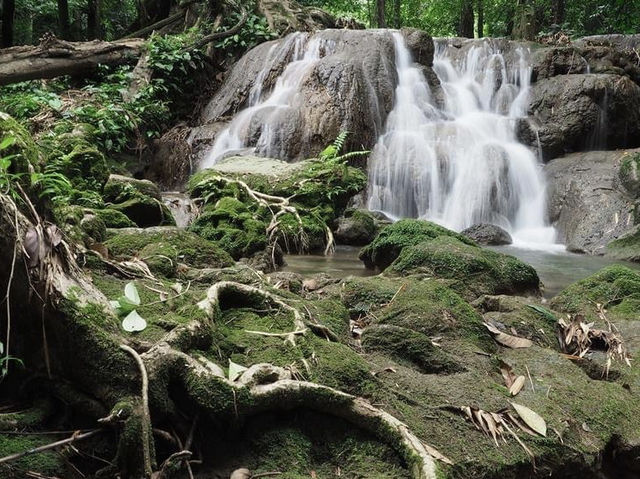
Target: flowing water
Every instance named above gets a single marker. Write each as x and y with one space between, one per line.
460 163
266 107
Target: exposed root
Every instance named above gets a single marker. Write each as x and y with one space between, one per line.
146 417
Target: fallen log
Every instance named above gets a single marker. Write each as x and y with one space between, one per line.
54 57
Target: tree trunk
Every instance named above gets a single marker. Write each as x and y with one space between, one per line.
397 14
63 19
53 58
93 20
380 11
465 28
480 28
558 10
8 14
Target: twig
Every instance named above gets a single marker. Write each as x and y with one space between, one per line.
53 445
533 388
278 335
146 420
266 474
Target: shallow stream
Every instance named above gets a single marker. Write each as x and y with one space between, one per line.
556 269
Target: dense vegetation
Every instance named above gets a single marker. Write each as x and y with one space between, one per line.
493 17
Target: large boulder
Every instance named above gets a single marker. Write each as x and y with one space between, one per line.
586 200
577 112
487 234
388 245
350 88
356 227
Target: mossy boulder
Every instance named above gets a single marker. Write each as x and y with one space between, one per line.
318 190
629 174
80 224
627 247
20 147
139 200
389 243
191 249
120 188
616 287
230 224
80 162
472 270
356 227
161 257
114 218
145 211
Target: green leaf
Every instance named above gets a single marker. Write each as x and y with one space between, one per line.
131 292
7 142
134 322
544 312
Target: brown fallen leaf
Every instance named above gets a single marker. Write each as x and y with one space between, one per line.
507 373
433 452
508 340
517 385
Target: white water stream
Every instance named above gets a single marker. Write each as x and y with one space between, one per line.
266 108
461 164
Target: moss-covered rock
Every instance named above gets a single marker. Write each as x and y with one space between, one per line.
20 147
630 174
473 271
389 243
119 188
356 227
114 218
145 211
191 248
626 247
161 257
80 224
80 162
318 190
616 287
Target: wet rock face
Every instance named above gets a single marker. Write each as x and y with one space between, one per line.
583 112
586 199
357 228
487 234
350 88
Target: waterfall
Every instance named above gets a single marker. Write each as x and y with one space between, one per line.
460 163
267 108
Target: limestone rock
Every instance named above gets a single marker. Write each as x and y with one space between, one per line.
487 234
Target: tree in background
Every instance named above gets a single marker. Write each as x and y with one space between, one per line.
8 15
381 13
93 20
63 20
465 26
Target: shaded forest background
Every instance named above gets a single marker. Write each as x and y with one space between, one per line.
25 21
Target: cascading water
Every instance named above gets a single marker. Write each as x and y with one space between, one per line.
266 109
460 164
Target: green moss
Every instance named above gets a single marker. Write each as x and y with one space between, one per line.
23 147
390 242
79 161
114 218
629 174
122 188
409 346
616 287
161 257
627 247
145 211
473 270
192 249
49 463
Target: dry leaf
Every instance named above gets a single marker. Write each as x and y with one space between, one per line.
508 340
517 385
507 373
531 418
241 474
433 452
32 246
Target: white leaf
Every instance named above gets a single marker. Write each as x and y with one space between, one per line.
531 418
134 322
115 304
517 386
1 347
131 292
235 370
177 287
